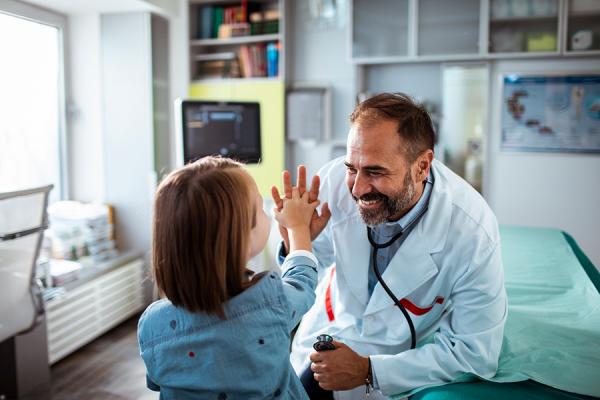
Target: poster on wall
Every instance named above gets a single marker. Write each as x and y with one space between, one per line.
557 113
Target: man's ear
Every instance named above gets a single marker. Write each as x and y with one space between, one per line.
423 162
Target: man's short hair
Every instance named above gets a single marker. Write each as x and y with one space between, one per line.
414 124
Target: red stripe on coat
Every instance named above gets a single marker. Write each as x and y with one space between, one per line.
328 307
418 310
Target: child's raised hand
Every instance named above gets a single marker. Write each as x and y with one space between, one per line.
297 211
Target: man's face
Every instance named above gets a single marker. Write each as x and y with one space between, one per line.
378 174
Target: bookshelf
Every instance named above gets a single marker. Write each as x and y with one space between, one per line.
236 40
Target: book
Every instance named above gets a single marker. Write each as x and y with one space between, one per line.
205 21
217 21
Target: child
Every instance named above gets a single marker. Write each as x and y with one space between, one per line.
218 334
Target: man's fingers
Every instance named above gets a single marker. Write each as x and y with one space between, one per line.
287 184
325 212
318 367
338 345
314 188
301 181
276 198
315 357
325 385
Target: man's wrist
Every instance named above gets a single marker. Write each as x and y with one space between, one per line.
369 377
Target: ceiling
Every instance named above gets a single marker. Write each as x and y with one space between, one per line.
96 6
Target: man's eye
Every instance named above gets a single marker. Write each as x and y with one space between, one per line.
375 174
350 170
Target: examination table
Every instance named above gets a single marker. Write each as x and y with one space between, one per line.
551 347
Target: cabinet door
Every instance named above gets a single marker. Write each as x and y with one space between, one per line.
448 27
583 26
524 26
380 28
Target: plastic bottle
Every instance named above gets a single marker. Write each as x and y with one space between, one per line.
272 59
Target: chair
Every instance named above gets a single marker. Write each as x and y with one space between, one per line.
23 219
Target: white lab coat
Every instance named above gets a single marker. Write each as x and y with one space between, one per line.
449 266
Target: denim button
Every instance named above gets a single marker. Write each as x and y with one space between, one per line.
261 341
277 393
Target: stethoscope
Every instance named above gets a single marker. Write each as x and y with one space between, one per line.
376 247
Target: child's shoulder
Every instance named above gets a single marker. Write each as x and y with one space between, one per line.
156 311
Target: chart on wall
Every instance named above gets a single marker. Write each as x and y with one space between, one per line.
551 113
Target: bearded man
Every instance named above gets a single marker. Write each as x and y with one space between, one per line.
411 282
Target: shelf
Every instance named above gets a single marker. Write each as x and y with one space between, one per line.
222 2
582 53
512 20
593 14
236 40
236 80
522 54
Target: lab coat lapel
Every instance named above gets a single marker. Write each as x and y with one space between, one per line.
353 258
410 267
412 264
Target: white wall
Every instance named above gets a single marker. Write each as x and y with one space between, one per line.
317 53
179 64
546 190
84 108
422 81
85 125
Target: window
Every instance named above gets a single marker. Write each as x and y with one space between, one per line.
31 100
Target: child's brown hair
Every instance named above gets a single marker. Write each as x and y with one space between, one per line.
203 215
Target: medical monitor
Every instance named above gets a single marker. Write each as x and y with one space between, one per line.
230 129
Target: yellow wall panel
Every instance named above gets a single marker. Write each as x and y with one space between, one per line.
271 96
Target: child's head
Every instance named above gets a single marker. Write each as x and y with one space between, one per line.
208 221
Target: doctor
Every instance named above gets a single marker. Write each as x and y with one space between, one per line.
443 264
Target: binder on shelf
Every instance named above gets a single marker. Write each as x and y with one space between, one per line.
217 21
205 22
229 55
217 65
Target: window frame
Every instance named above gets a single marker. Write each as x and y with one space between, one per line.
46 17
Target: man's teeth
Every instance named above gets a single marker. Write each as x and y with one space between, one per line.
368 202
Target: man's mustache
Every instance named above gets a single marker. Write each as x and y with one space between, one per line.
371 196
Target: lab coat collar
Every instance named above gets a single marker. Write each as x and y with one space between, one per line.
412 264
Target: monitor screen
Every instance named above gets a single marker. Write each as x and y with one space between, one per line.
230 129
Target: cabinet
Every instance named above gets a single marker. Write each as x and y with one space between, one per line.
232 39
582 27
92 307
387 31
524 26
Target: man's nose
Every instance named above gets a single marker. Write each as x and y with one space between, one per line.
361 186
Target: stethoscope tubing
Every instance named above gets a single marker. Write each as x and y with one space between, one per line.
376 247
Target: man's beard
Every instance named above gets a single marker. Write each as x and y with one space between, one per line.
390 205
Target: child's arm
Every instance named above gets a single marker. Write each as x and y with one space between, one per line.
300 266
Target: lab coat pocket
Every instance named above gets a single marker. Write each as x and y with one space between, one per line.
421 315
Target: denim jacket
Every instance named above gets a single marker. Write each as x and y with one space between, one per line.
244 356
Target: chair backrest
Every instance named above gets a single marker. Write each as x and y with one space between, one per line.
23 219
